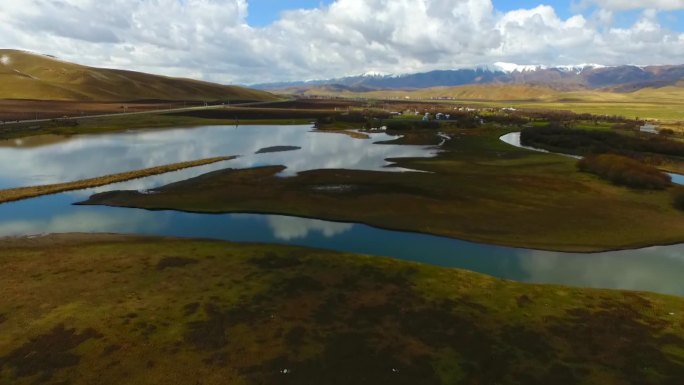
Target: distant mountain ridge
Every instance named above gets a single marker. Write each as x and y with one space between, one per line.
623 78
26 75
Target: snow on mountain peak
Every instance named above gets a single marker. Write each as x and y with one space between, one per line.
375 74
512 67
579 68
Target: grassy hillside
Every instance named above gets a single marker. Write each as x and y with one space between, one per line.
25 75
82 309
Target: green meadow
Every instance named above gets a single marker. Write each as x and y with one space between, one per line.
112 309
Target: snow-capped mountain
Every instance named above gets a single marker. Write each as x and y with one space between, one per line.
580 76
512 67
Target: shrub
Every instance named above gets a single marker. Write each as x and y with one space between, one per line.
583 142
625 171
399 124
678 198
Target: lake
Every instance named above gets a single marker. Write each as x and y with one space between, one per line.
657 269
52 159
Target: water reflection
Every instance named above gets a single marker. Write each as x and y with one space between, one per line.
656 269
83 221
653 269
290 228
62 161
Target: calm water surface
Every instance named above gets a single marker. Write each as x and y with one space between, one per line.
658 269
53 159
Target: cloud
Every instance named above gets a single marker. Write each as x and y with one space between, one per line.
623 5
541 33
211 39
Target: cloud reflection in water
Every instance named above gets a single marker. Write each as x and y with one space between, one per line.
63 161
83 221
289 228
652 269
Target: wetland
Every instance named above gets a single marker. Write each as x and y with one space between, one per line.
410 256
342 208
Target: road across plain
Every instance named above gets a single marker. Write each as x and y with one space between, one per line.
163 111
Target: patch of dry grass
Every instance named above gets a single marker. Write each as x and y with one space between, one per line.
20 193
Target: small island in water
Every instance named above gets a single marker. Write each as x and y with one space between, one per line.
267 150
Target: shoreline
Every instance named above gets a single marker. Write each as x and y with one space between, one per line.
588 251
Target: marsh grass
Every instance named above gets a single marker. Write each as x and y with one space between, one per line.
625 171
20 193
104 309
477 188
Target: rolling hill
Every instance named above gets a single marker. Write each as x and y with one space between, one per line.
25 75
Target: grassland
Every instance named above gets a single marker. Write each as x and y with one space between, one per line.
15 194
478 189
115 309
231 116
666 103
14 109
25 75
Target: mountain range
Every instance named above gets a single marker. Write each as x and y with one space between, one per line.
624 78
26 75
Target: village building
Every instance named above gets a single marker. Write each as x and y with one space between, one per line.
649 128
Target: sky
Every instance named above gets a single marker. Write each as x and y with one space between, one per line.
259 41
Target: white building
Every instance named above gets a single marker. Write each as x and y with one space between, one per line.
649 128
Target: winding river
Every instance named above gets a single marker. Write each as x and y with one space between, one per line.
54 159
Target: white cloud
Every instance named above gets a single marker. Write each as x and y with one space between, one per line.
541 33
623 5
211 39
